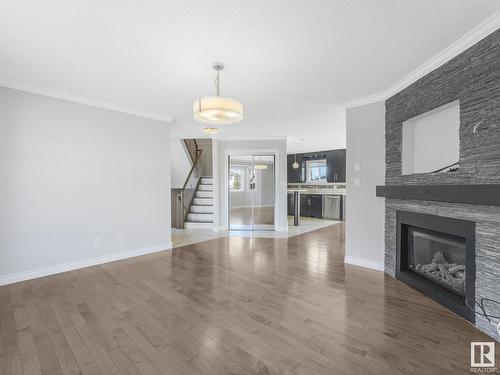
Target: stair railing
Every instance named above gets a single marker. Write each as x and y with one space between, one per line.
188 191
192 148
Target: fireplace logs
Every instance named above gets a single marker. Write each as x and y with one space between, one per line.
451 274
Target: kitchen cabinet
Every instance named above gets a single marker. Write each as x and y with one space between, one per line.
311 205
316 206
304 211
336 162
291 204
321 206
295 175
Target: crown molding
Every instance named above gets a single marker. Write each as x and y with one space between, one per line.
375 98
116 107
485 28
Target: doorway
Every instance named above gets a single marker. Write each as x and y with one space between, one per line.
251 200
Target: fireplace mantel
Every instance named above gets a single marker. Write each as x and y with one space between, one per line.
488 195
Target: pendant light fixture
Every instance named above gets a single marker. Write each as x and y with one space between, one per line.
260 166
295 165
217 109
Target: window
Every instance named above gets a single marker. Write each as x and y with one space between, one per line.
236 178
316 170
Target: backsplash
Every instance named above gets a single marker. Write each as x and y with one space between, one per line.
316 186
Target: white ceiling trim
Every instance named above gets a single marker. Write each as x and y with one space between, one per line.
485 28
88 101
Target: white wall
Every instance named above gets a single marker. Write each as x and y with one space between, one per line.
276 146
70 173
431 141
180 163
365 212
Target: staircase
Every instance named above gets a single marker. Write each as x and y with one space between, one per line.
201 211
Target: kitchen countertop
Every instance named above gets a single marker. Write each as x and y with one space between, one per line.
318 191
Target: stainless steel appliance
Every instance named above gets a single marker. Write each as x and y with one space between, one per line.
332 205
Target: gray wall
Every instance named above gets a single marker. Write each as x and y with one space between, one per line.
70 173
365 212
472 78
205 144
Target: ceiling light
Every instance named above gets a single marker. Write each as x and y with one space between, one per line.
260 166
210 131
217 109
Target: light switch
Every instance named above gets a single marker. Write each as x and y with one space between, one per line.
357 166
357 181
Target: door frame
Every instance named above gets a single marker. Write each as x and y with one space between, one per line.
225 188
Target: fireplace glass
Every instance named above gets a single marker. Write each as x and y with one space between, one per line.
438 257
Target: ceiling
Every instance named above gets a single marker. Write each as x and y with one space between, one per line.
292 63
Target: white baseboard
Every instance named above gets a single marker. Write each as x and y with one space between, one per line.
362 262
51 270
281 229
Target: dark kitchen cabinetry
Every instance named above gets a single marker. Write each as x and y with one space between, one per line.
311 205
316 206
329 206
291 204
335 164
296 175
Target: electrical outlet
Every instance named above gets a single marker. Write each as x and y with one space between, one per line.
97 241
357 181
120 238
357 167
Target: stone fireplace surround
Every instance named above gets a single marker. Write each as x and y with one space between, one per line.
473 78
455 240
487 221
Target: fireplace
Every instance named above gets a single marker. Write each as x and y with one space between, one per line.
436 255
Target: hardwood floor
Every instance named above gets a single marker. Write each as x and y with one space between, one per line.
249 215
230 306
